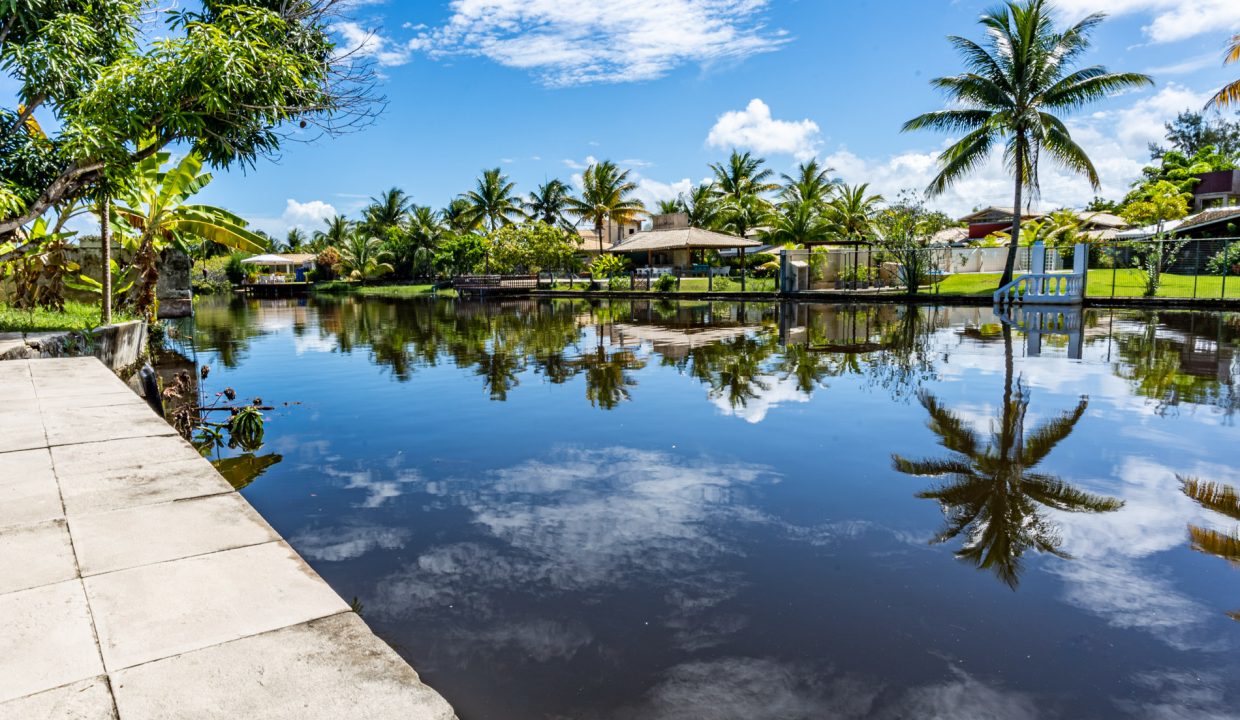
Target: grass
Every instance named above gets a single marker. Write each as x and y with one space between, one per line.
76 316
1124 283
687 285
381 291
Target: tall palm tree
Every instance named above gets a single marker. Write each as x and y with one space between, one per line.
798 224
671 207
992 492
493 203
458 217
811 183
339 229
1224 500
1230 94
1012 89
606 197
549 203
851 212
386 211
740 185
295 239
702 206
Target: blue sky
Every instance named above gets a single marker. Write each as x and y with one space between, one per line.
665 87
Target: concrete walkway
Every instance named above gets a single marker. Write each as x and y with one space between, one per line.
136 584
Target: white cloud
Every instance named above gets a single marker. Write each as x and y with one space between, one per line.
307 215
1172 20
1116 140
754 128
359 43
604 41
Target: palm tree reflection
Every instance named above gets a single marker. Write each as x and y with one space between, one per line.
991 494
1224 500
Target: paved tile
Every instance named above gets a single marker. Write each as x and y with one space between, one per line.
169 531
72 376
109 398
21 427
157 611
28 492
35 555
45 640
95 424
323 670
85 700
99 477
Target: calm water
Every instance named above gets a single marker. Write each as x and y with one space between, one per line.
637 510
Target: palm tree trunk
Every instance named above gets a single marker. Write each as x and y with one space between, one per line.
1009 268
105 242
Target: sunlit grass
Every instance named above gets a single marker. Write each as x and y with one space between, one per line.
76 316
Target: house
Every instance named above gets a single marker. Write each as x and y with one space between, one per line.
1217 190
613 234
991 220
1215 223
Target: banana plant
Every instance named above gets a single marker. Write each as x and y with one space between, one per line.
154 214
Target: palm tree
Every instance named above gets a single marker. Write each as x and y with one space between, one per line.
798 224
1230 94
1012 88
425 229
739 186
811 183
671 207
363 258
702 206
492 203
458 217
295 239
386 211
606 197
992 494
851 212
549 203
339 230
1224 500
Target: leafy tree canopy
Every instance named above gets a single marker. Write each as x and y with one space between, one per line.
1191 132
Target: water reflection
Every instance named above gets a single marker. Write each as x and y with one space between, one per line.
1223 500
607 509
993 493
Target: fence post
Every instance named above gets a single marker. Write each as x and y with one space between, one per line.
1196 266
1114 273
1226 267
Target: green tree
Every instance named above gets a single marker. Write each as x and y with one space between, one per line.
702 206
364 258
740 187
1230 93
339 229
606 197
549 203
811 183
992 492
851 212
386 212
670 207
295 240
1181 170
154 207
531 247
1191 132
1011 92
458 218
797 224
227 79
492 204
460 254
1156 203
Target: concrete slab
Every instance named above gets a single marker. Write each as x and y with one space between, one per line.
45 640
101 399
157 611
86 700
28 492
322 670
35 555
94 424
21 428
132 487
71 376
169 531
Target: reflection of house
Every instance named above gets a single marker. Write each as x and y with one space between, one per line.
1217 190
989 221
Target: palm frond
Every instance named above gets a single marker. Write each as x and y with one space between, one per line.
1042 441
1218 497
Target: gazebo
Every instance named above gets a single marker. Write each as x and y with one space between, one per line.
278 263
675 246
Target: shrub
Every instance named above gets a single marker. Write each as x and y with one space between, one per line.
722 284
1226 259
665 283
326 261
234 270
606 266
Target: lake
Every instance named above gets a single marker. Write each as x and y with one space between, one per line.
641 509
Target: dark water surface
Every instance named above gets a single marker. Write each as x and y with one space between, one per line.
713 510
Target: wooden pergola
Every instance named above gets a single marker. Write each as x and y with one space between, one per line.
686 238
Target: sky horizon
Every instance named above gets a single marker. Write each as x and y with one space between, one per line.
540 88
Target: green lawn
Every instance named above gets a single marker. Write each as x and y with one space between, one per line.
76 316
1107 283
383 291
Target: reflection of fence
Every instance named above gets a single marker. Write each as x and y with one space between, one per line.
494 285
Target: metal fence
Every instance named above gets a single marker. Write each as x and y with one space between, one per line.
1206 268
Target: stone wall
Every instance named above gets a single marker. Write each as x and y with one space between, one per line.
117 346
